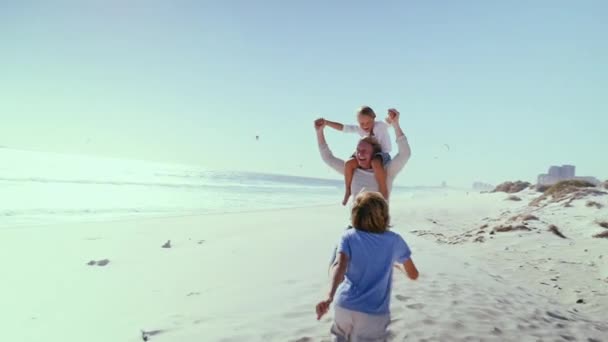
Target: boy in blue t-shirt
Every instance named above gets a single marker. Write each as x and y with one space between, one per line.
361 275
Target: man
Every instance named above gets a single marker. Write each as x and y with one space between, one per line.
363 177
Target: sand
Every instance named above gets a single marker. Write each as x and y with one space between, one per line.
257 276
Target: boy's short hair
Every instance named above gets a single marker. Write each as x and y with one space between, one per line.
376 147
366 110
370 212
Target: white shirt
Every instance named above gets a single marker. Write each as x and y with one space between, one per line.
365 179
380 132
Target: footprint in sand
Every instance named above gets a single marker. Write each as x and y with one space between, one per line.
304 339
416 306
402 298
429 321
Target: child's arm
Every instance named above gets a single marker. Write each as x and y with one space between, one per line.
410 269
403 256
341 127
335 125
380 175
337 276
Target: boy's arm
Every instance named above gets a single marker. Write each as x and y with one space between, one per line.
410 269
337 276
403 255
326 154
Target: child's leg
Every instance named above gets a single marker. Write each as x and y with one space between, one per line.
370 327
342 327
349 170
380 174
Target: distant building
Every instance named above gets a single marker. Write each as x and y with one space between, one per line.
561 173
480 186
568 171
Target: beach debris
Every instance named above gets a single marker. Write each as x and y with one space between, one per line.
510 228
102 262
167 244
556 315
590 204
580 301
145 335
513 198
603 234
479 239
553 228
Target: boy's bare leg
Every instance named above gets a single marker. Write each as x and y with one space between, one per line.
380 174
349 171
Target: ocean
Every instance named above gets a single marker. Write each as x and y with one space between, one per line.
45 188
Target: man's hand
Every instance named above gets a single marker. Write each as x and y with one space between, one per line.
393 116
320 124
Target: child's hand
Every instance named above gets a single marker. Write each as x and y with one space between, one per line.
320 124
393 116
322 308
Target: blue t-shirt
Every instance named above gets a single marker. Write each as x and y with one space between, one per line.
367 283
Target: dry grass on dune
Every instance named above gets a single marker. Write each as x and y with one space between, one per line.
569 190
512 187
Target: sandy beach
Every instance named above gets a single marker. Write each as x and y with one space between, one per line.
257 276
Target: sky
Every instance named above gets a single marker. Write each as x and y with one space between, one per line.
511 87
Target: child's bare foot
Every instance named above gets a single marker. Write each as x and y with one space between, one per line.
346 197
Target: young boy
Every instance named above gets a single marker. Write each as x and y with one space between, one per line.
361 275
368 126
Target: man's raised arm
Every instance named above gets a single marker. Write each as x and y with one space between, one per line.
404 153
326 154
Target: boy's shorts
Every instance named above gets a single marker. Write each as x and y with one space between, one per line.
358 326
386 158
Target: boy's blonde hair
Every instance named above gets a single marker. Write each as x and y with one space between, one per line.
370 212
368 111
